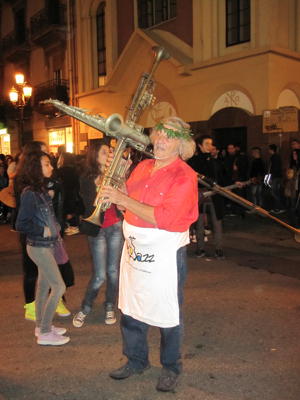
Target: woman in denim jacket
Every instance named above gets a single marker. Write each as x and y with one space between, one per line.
36 219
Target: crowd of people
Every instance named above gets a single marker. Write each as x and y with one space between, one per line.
270 183
139 246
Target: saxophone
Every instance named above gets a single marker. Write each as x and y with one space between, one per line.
111 126
129 134
144 95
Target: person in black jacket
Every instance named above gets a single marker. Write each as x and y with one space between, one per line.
3 184
295 145
212 168
69 177
236 170
291 185
257 172
275 170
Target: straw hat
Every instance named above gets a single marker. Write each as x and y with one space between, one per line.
7 197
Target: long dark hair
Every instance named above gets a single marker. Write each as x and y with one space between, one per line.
30 172
35 145
92 166
296 163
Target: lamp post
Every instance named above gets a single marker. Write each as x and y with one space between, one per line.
19 96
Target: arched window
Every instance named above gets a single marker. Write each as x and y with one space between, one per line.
101 48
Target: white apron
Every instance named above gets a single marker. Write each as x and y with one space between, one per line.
148 275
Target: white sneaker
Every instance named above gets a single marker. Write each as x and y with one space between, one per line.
55 329
78 319
52 339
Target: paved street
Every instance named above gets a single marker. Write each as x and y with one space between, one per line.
242 327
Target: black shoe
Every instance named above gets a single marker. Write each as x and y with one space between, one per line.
200 253
167 381
126 371
219 254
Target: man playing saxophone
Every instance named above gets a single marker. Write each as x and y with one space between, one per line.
160 205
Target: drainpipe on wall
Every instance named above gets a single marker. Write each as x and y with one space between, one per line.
72 69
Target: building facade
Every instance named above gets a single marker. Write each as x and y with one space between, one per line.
34 42
233 70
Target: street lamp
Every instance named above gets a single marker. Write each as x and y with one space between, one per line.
19 96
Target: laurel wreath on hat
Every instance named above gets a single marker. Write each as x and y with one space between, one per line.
183 133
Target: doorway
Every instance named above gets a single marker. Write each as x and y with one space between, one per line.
236 136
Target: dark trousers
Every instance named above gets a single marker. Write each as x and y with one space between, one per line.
134 332
209 208
276 193
30 273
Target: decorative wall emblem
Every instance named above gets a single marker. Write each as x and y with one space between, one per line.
233 98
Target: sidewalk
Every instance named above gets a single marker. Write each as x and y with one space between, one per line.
242 328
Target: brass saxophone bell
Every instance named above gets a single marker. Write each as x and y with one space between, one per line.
113 124
160 53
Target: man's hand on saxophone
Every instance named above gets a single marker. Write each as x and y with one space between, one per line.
123 201
114 195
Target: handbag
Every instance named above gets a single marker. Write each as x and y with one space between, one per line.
59 251
60 254
87 228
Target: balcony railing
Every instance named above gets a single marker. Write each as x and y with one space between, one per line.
15 47
48 25
54 89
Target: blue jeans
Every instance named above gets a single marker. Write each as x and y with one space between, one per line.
134 332
106 253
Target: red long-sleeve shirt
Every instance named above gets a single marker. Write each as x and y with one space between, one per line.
171 190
